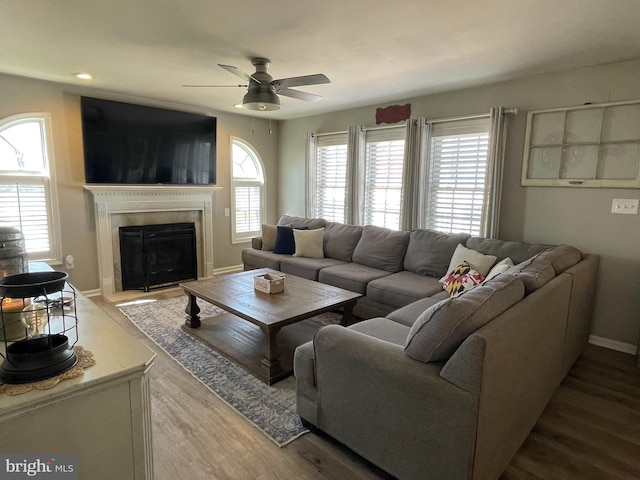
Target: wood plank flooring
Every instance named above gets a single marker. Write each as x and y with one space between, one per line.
590 429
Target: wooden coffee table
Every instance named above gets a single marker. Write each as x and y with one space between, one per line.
262 351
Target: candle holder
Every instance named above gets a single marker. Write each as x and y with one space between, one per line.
41 344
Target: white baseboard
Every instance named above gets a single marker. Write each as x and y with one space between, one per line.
220 271
231 269
613 344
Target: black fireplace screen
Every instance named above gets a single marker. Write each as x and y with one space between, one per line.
157 255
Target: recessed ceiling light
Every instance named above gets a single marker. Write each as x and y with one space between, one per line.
83 76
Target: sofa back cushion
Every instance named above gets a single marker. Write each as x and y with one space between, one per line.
381 248
441 328
340 240
517 251
310 223
429 252
543 267
562 257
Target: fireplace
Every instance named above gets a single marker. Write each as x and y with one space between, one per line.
122 205
157 255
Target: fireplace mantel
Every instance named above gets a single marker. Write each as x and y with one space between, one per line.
119 199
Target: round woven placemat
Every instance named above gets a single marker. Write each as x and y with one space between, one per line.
85 360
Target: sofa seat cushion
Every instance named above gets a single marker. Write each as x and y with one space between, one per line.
351 276
442 328
253 258
381 248
307 267
383 329
429 252
340 240
408 314
517 251
402 288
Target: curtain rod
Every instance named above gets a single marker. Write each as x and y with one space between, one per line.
507 111
344 132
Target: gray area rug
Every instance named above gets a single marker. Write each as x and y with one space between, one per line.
270 408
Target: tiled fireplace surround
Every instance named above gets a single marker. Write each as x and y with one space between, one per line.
120 205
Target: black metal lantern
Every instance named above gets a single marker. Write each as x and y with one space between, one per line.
39 326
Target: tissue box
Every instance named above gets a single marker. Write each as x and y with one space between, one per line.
269 283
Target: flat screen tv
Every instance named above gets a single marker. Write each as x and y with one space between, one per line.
138 145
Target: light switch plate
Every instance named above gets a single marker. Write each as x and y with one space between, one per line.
625 206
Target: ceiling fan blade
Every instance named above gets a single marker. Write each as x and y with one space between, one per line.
316 79
308 97
211 86
236 71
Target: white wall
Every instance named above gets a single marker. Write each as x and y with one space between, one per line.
18 95
579 217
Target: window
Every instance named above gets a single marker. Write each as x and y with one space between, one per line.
329 180
443 175
27 189
383 167
247 187
456 176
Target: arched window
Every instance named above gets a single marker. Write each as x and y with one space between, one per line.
28 198
247 191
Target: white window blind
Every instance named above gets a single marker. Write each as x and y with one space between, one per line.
248 207
456 177
383 167
27 192
247 187
331 169
25 207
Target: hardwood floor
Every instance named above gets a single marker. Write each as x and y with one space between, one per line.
590 429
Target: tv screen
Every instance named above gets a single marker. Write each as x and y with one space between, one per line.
134 144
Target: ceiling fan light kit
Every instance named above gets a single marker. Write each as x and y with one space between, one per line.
262 99
263 90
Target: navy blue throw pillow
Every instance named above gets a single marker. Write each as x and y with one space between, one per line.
285 243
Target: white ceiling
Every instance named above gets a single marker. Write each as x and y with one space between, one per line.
374 51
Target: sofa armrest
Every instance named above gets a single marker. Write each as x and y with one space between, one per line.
395 411
256 242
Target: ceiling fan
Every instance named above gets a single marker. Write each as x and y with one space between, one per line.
263 90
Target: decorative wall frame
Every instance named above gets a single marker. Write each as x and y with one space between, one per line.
592 145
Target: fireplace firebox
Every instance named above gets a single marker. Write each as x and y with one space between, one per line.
154 256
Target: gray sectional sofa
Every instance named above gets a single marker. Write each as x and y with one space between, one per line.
438 387
390 268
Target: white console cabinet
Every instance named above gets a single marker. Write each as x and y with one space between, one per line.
102 416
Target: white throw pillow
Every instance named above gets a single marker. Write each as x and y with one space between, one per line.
500 267
309 243
479 262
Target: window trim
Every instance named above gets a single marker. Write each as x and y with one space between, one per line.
458 127
314 142
392 133
49 180
245 237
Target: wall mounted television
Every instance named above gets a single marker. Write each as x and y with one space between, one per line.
139 145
